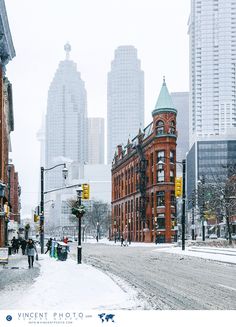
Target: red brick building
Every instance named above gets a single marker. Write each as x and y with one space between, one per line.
143 179
7 52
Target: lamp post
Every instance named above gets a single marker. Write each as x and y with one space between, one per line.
42 170
201 183
97 238
79 216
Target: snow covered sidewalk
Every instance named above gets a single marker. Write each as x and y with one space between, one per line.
69 286
225 255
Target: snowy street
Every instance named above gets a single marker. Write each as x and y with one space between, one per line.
167 279
137 277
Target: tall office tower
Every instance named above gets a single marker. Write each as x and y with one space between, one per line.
181 103
212 30
66 120
95 141
125 99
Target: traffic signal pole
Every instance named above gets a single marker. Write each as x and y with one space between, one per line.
183 206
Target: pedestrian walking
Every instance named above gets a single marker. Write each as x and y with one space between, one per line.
17 246
122 241
30 251
23 246
14 244
49 245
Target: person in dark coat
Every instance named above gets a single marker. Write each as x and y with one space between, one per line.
122 240
14 243
49 245
23 246
30 251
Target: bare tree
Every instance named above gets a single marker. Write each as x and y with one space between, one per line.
96 218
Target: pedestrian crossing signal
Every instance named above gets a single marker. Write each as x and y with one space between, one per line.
85 194
178 187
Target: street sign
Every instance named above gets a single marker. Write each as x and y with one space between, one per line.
4 255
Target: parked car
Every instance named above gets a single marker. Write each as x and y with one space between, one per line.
213 236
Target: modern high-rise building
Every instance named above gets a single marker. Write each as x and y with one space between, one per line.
212 31
66 120
95 141
181 103
125 98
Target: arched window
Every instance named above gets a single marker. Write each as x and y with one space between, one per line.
172 127
159 127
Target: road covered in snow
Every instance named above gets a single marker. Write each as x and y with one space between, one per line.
165 279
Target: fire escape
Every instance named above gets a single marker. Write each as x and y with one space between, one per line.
141 187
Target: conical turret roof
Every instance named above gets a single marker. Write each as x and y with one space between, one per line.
164 101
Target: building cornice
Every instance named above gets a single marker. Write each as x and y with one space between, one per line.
7 51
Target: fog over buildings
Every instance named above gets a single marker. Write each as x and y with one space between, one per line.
66 120
125 98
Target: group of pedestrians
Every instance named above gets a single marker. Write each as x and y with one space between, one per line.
28 248
17 243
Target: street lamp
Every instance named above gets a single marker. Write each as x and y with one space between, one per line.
79 211
64 174
201 193
183 163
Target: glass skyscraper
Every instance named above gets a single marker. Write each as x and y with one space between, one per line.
66 120
125 99
212 31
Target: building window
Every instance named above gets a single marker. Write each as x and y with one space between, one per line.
159 127
160 198
160 176
172 127
160 156
172 198
161 224
172 156
172 176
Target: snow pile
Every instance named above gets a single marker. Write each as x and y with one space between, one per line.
65 285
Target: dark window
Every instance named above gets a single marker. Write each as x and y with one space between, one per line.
161 224
172 198
159 127
160 198
172 127
172 156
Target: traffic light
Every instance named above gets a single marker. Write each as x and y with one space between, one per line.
178 187
85 194
36 218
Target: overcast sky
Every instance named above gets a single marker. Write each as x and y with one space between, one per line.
94 28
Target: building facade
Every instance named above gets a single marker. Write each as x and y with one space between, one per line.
143 179
125 98
96 141
66 120
7 53
212 31
215 162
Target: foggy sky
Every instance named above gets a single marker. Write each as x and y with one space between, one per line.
40 28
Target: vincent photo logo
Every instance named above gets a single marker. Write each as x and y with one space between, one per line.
9 318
